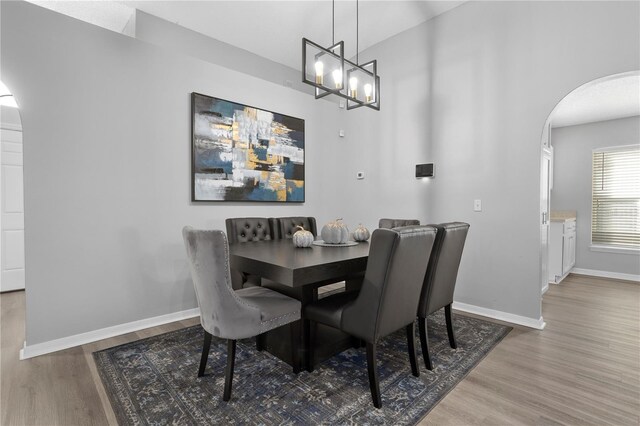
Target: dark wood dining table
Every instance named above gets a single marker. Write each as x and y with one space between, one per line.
299 272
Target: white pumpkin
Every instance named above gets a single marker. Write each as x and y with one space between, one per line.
302 238
335 232
361 233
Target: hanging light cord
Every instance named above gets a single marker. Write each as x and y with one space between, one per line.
333 23
333 28
357 34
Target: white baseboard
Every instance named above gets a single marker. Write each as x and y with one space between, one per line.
545 288
30 351
4 287
606 274
538 324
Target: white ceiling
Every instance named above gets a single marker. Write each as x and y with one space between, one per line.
106 14
599 100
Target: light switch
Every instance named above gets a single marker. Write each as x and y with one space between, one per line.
477 205
341 133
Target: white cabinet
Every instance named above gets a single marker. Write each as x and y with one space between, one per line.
562 248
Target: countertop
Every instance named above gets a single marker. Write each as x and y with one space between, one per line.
562 215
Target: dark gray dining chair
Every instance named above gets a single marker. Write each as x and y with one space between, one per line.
387 301
247 230
224 312
395 223
440 280
285 227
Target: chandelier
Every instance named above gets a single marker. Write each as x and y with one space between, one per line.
330 73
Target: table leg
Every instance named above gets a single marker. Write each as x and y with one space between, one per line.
308 294
289 343
354 283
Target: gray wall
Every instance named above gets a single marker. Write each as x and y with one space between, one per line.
470 91
573 146
163 33
106 122
106 134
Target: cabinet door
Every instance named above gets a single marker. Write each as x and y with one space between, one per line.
572 250
568 252
555 252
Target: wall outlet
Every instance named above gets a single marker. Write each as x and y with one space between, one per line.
477 205
360 175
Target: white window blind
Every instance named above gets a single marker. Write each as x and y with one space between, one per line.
615 218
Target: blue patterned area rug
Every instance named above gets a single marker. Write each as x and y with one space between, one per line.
154 380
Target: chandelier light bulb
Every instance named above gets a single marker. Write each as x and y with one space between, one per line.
319 72
353 85
367 92
337 78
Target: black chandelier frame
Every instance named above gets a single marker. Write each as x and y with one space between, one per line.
347 67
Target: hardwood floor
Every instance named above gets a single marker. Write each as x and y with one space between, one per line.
583 369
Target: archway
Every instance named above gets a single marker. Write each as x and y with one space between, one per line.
601 114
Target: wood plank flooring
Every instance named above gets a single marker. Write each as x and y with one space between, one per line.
583 369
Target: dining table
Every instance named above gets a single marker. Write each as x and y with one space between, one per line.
298 273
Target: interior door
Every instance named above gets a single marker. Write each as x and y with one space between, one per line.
12 206
545 188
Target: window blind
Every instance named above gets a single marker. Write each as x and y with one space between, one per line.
615 218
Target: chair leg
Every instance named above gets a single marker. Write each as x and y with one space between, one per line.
228 372
374 384
411 343
205 353
422 325
311 328
452 337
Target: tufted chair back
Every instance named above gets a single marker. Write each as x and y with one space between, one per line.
285 227
248 229
395 223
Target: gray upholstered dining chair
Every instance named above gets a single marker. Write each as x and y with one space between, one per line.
246 230
285 227
395 223
440 280
387 300
224 312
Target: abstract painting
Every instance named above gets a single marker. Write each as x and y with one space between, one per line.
243 153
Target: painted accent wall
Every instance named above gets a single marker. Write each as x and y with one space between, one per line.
573 147
471 91
107 156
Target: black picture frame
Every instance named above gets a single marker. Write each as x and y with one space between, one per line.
242 153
